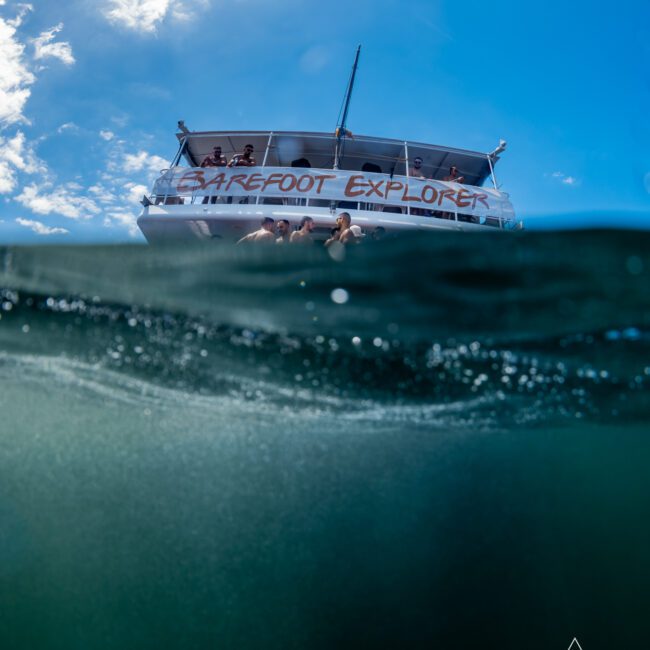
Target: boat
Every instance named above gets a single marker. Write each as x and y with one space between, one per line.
385 185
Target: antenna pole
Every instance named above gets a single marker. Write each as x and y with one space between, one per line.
340 129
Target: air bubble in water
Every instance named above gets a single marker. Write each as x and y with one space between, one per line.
340 296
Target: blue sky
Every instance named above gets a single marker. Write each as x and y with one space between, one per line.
91 90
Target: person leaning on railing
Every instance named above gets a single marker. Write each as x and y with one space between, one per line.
416 172
215 159
243 159
453 176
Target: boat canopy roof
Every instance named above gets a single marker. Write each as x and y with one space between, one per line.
295 148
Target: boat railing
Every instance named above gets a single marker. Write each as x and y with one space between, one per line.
338 190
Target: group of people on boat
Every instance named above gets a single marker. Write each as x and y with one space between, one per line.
415 171
217 159
246 159
280 233
345 233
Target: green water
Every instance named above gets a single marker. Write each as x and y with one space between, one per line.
189 460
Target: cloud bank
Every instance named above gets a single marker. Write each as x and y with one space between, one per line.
15 75
40 228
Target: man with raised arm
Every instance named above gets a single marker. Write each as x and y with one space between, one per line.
215 159
453 176
243 159
263 236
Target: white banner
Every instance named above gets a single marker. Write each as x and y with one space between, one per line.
285 182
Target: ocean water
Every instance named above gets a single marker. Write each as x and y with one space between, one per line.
433 443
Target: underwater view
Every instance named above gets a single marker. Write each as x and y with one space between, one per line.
434 442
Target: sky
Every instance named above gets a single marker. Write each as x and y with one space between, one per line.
91 91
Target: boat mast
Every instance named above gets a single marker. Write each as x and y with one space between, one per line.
341 131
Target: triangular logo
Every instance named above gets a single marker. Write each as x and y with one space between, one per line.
575 645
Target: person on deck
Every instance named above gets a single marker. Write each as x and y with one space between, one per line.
283 231
453 176
303 236
415 171
263 235
243 159
345 235
215 159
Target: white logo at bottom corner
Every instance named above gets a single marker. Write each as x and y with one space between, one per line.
575 645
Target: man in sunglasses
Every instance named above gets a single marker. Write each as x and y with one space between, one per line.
243 159
415 171
215 159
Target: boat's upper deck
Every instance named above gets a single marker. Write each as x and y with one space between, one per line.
359 153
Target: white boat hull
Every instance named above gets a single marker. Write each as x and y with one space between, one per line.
173 223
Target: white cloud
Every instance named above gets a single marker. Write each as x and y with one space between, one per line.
181 12
7 178
64 200
124 176
143 161
15 76
23 9
565 179
135 192
123 219
45 47
147 15
68 126
40 228
144 15
17 155
102 194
